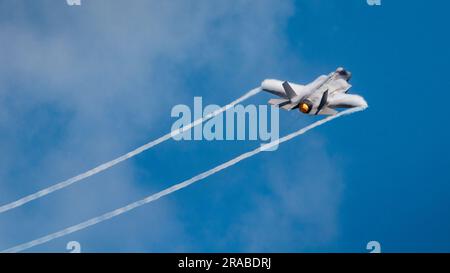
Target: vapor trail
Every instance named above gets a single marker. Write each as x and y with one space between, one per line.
174 188
109 164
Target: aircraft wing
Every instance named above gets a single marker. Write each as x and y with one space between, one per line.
339 86
342 100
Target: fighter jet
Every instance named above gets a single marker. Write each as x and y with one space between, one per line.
320 97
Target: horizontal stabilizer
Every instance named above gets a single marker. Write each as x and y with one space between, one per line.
282 103
289 106
278 102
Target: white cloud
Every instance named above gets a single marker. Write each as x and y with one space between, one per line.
109 67
80 85
300 212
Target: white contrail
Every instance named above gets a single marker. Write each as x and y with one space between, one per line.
109 164
174 188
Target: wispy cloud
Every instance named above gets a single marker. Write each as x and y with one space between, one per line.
79 86
299 210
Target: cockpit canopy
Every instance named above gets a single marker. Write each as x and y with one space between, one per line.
346 75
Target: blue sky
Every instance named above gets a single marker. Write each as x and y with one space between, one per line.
82 85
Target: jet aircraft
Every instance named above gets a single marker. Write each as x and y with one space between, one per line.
323 96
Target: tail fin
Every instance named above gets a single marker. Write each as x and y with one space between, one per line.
290 93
